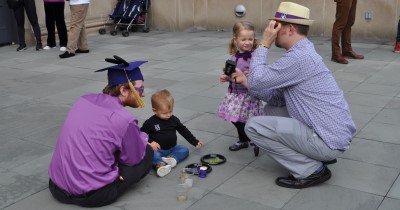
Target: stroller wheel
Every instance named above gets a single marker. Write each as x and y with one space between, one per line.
113 32
146 30
125 33
102 31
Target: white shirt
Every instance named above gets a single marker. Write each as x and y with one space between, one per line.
77 2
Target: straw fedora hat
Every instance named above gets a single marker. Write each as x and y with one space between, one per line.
293 13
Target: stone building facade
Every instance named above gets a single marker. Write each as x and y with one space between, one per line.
192 15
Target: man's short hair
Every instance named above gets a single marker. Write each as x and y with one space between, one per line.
114 90
162 98
302 29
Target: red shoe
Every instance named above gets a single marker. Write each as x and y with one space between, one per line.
396 48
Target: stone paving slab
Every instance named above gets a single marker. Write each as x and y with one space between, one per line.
37 89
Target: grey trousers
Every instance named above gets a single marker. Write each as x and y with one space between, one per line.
289 142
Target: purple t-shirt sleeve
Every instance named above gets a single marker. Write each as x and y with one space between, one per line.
133 145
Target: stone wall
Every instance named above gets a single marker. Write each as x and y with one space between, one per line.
192 15
181 15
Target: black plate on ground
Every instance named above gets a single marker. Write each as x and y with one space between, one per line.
213 159
194 166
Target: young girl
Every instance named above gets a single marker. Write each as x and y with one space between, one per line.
237 106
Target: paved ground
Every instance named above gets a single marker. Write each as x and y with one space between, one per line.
37 90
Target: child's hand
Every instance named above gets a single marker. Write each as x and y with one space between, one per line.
155 146
223 78
199 144
239 77
246 72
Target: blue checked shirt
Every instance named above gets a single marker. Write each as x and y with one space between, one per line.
301 81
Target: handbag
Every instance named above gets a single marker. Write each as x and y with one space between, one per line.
13 4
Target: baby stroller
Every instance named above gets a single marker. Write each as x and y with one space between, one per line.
127 15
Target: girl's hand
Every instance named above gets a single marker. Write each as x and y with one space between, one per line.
199 144
239 76
246 72
223 78
155 146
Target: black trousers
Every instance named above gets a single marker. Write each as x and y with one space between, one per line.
30 8
109 193
398 31
55 17
240 129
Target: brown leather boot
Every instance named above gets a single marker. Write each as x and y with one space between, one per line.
339 59
353 55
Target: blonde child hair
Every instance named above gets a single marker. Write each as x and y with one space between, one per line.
239 26
161 99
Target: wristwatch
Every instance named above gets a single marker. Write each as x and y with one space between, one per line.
262 45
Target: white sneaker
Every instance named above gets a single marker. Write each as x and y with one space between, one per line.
48 48
163 170
63 49
170 161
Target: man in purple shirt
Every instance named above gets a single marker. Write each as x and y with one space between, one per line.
308 123
101 151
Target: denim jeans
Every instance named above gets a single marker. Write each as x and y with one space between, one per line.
179 152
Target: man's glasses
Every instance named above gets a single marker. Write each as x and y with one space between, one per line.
140 90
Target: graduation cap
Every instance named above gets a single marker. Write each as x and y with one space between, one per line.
125 72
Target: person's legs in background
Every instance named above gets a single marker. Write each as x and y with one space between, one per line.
78 15
60 23
19 15
30 9
347 50
82 40
396 48
51 35
342 14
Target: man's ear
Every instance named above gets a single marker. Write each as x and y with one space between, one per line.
123 91
292 29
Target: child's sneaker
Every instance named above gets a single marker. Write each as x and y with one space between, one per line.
169 160
163 169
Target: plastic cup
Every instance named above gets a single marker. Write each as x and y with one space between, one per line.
182 192
189 183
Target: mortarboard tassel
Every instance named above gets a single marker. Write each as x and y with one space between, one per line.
136 95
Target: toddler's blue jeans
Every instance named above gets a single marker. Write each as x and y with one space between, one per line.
179 152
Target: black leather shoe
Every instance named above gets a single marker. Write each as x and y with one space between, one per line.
81 51
314 179
39 46
256 149
238 145
328 162
21 47
67 55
